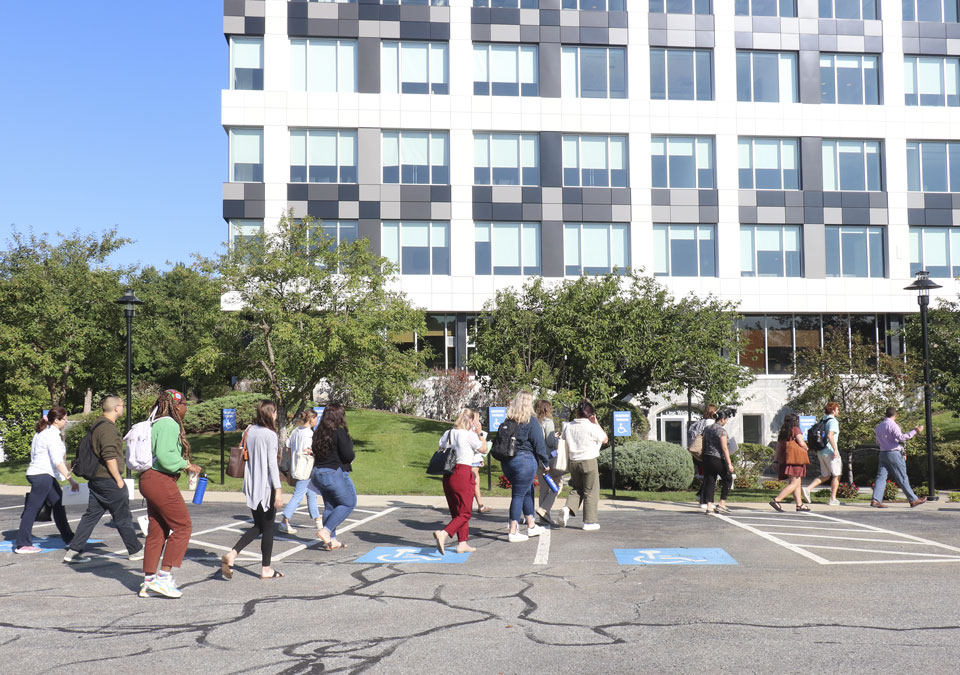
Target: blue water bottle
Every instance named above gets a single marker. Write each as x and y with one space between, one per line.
201 489
552 484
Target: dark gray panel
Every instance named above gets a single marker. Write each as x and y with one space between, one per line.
572 195
660 197
349 11
414 30
482 193
254 209
812 214
297 192
232 208
596 196
832 200
569 34
549 72
551 248
254 191
930 29
551 158
809 67
295 9
504 211
479 15
482 211
440 193
415 210
933 46
938 217
480 32
707 198
597 213
854 216
368 65
439 31
504 15
390 13
236 8
368 228
530 195
593 19
254 25
619 19
298 27
811 163
329 210
748 214
593 36
323 27
549 17
414 13
532 212
709 214
323 192
549 34
770 198
793 198
349 28
916 217
931 200
878 200
572 212
370 209
348 193
812 198
368 12
855 199
529 33
415 193
622 195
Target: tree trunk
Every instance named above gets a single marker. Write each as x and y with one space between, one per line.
849 466
87 400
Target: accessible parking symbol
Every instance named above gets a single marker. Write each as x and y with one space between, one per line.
410 554
673 556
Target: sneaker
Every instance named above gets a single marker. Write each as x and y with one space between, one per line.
833 502
75 557
565 515
145 587
591 526
165 586
286 528
535 531
516 537
28 549
136 556
806 495
703 507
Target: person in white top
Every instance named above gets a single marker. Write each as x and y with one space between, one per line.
467 438
47 458
583 437
300 442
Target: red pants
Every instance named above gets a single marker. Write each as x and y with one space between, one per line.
459 488
167 511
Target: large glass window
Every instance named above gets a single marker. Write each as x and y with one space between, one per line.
323 156
685 250
601 5
682 162
506 159
593 72
595 248
242 229
419 157
414 68
509 4
246 63
417 247
505 70
770 251
931 80
681 74
851 165
930 10
595 161
507 248
767 77
323 65
849 78
435 3
681 6
849 9
765 7
246 155
769 163
933 166
935 249
854 251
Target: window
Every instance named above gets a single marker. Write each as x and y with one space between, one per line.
417 247
522 4
595 161
414 68
595 248
935 249
246 155
931 80
684 250
770 251
323 65
440 336
769 163
681 6
850 9
681 74
505 70
682 162
416 157
753 429
767 77
435 3
854 251
323 156
506 159
765 7
601 5
851 165
246 63
933 166
243 229
930 10
336 232
593 72
849 78
507 248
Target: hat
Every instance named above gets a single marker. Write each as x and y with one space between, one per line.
176 396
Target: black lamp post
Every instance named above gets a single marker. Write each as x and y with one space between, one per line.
923 285
129 302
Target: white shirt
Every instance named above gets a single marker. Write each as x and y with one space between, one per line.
47 450
466 443
301 439
583 439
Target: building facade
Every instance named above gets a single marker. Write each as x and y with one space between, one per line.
799 157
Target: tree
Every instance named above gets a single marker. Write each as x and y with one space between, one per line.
943 334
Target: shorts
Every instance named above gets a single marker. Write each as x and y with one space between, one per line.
830 465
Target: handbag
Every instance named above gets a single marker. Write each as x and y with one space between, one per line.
302 467
795 454
560 462
444 460
238 457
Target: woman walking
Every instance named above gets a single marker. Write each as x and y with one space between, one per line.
300 442
332 463
583 437
170 524
467 439
544 411
716 462
263 489
47 453
791 451
521 469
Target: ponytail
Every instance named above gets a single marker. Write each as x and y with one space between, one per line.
54 414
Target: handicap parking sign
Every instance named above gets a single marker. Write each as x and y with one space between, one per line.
807 421
410 554
621 422
229 419
673 556
496 416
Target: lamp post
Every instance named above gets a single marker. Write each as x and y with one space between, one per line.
923 285
129 303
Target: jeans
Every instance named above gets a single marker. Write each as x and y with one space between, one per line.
520 471
339 496
43 488
894 463
106 496
302 488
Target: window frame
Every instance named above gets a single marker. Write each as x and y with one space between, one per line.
911 81
232 163
239 39
918 246
944 4
524 89
915 165
697 7
235 229
662 65
754 272
522 170
837 174
749 5
507 4
608 5
696 156
490 269
752 77
836 91
433 87
581 270
339 45
431 166
432 263
624 158
834 241
666 247
753 168
566 51
831 5
339 167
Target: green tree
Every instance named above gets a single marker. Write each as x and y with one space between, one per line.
943 333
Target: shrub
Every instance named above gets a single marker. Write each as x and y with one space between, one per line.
205 416
648 465
744 481
753 455
17 424
847 491
889 490
921 491
954 497
774 485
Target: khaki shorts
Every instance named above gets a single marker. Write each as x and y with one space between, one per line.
830 465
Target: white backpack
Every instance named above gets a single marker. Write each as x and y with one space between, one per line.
140 444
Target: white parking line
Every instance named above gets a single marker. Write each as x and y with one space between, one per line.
301 547
77 520
543 548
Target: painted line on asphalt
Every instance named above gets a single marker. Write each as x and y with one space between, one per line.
870 550
543 548
827 536
912 537
301 547
77 520
776 540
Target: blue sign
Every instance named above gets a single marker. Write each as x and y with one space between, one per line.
807 421
319 410
673 556
621 422
496 417
46 544
45 411
410 554
229 419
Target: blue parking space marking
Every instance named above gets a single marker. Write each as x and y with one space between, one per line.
410 554
46 544
673 556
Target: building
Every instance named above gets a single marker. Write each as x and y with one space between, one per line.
801 157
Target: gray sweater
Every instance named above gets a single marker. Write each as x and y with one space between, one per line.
262 475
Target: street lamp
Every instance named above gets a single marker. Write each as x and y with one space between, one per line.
923 285
129 302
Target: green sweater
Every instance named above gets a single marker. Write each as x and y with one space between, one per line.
167 450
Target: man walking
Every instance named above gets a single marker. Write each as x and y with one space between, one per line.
108 492
831 465
890 438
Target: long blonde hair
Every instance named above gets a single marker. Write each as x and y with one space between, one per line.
465 419
521 407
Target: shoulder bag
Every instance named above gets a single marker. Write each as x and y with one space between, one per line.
795 454
444 460
560 462
239 456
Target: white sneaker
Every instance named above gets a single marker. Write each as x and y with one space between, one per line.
806 495
565 515
703 507
515 537
535 531
165 586
591 526
834 502
286 528
136 556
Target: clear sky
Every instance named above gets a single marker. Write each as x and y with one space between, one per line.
110 116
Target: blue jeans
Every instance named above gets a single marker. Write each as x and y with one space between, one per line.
302 488
894 463
520 471
339 496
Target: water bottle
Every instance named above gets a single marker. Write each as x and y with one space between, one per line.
201 489
552 484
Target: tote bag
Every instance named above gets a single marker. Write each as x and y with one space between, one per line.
796 454
560 461
237 463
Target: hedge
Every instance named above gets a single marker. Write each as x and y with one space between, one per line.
648 465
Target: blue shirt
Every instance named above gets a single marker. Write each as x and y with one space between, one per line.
834 426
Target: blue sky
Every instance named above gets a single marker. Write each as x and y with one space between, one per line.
110 116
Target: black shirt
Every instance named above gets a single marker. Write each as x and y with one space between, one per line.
340 455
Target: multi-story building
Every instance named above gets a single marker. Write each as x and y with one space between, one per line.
800 157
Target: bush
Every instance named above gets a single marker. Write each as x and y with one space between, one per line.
744 481
648 465
774 485
847 491
921 491
889 490
205 416
954 497
17 424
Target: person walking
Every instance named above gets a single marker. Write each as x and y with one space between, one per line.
831 465
791 458
108 492
583 437
521 469
716 462
47 461
467 439
890 438
299 442
544 412
333 461
695 431
170 524
262 488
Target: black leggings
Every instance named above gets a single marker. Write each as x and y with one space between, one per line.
262 526
714 467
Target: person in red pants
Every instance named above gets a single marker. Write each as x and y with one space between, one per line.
467 438
170 524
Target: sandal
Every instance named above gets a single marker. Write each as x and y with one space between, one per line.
277 574
331 547
226 569
483 509
803 507
776 505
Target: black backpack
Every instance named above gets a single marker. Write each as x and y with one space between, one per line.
86 462
817 436
505 444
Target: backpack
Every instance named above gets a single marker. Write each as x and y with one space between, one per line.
140 444
696 447
695 444
86 462
505 444
817 435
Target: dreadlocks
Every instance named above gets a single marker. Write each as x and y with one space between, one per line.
168 407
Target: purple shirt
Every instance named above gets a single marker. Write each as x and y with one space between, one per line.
890 437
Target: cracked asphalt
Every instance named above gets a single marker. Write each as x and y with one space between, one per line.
581 612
